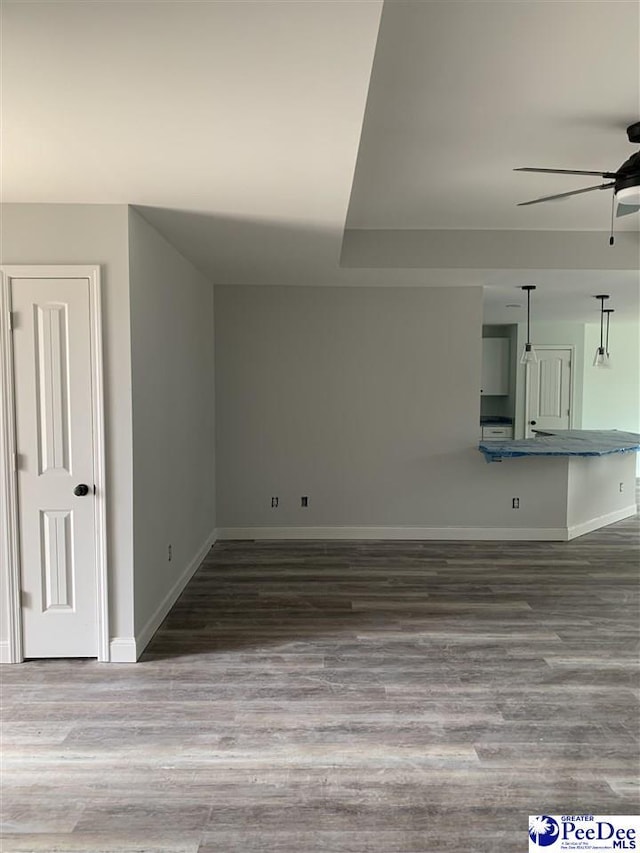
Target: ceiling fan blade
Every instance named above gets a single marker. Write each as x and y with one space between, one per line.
568 172
566 195
626 209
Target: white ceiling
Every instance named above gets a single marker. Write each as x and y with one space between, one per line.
239 109
569 299
237 126
464 92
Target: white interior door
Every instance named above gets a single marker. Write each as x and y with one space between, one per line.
54 440
550 390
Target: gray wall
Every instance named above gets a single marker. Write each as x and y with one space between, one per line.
611 398
599 486
94 234
173 415
366 400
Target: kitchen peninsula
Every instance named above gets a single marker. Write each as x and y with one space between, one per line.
564 442
598 470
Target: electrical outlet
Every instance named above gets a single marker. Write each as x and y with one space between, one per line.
515 503
304 501
621 487
274 502
169 553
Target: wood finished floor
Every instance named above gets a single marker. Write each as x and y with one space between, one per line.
309 697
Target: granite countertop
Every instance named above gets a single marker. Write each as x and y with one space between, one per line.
566 442
497 420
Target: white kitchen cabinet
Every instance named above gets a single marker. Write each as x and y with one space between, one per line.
495 366
496 433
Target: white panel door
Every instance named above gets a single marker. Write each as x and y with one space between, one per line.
54 435
550 390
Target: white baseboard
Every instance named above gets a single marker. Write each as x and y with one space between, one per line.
144 636
601 521
122 650
442 533
5 657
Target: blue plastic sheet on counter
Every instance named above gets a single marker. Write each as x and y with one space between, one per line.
566 442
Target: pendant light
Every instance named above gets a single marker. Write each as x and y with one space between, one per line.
601 358
528 353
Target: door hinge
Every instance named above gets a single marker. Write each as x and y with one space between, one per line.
13 320
16 461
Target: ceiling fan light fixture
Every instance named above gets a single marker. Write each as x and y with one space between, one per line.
628 195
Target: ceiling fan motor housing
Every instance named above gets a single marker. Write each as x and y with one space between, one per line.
629 172
633 132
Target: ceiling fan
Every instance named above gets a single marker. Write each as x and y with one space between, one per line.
625 181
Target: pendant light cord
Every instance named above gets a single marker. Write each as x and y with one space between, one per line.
613 204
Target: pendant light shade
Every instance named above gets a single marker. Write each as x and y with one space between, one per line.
528 353
601 357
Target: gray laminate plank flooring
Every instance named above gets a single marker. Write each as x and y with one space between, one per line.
325 697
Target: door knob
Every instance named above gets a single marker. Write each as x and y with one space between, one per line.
533 423
81 490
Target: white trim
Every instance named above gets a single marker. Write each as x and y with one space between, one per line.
572 385
601 521
9 541
123 650
425 533
153 623
9 520
5 657
99 473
